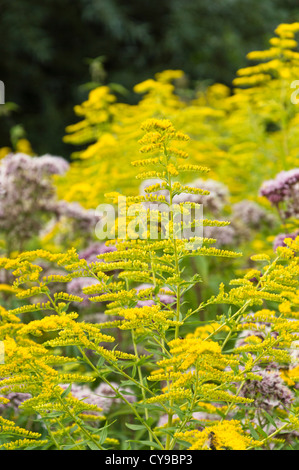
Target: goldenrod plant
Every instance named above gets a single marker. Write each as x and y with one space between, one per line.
248 129
246 134
140 367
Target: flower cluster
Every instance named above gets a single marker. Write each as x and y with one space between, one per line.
93 251
279 239
283 190
165 298
27 194
103 396
226 435
28 200
214 198
82 220
268 392
252 214
208 380
15 400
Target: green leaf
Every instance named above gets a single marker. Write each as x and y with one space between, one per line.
104 434
53 414
262 432
150 421
134 370
100 362
253 432
135 427
149 406
270 419
153 444
67 391
92 445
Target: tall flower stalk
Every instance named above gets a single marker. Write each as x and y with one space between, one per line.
171 370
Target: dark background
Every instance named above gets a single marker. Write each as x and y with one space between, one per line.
50 50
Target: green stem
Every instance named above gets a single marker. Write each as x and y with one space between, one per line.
52 437
270 436
67 410
141 381
74 417
189 414
122 397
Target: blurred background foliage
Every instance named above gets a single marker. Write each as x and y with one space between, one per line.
53 52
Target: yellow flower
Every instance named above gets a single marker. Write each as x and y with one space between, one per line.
226 435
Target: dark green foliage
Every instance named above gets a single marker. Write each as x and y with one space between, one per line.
46 47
